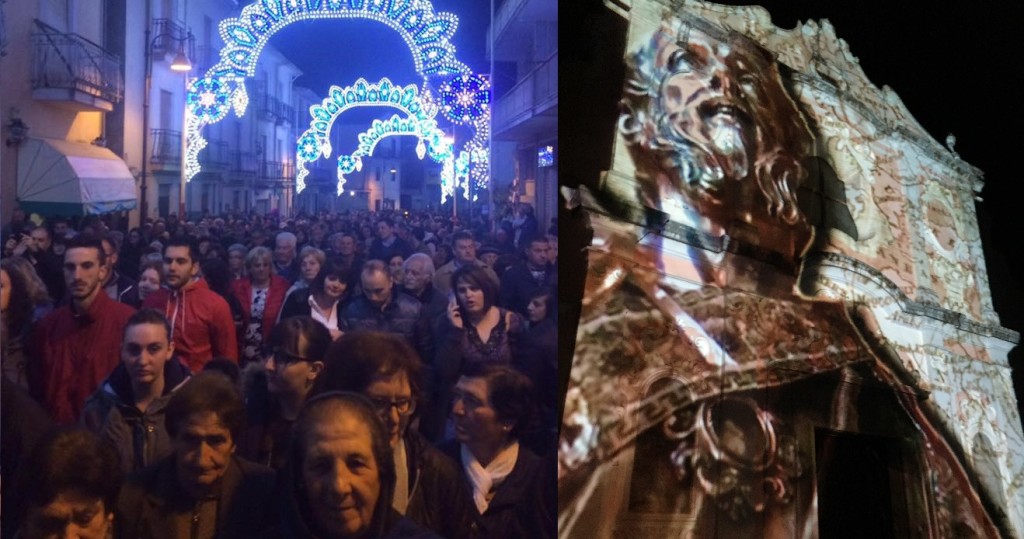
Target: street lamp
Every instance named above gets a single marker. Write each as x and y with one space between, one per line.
180 64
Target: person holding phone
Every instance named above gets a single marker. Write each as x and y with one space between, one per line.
475 329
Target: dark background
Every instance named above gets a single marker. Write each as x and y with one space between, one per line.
954 65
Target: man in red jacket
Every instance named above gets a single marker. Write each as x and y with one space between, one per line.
74 342
201 323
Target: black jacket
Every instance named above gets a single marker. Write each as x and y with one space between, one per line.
435 304
402 315
378 251
438 497
517 283
140 438
151 501
524 505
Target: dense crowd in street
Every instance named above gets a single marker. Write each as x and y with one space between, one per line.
357 374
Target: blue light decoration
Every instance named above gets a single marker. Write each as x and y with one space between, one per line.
431 141
465 98
427 34
418 121
546 156
455 175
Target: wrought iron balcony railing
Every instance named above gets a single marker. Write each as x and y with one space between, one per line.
215 154
270 170
168 36
72 62
166 147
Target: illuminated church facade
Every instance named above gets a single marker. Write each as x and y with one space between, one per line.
787 328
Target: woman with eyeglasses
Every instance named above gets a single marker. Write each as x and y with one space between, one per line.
384 368
274 394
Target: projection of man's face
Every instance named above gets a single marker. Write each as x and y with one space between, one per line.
709 98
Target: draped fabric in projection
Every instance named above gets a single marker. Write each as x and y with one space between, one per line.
787 329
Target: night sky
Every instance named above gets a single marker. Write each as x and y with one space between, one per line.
954 65
339 51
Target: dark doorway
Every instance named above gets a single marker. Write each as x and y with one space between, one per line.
860 485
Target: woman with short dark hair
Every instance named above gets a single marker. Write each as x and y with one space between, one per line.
68 486
324 298
513 489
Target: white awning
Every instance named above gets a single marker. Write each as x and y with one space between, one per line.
57 177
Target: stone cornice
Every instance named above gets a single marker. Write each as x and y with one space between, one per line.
910 306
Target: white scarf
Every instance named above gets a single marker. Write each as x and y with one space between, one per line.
486 480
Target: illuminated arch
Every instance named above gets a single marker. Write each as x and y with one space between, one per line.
314 142
431 141
428 35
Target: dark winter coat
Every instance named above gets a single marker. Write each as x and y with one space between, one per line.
402 315
438 497
524 504
152 503
140 438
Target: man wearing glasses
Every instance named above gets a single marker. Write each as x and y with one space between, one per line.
384 367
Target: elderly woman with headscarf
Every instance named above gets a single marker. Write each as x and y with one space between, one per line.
341 475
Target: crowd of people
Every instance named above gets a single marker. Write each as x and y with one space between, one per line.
363 374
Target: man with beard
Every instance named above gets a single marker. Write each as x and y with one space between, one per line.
202 326
116 286
46 262
73 342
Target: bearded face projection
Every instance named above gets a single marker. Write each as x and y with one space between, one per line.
709 120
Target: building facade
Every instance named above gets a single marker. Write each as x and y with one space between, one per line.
523 40
787 328
97 108
62 82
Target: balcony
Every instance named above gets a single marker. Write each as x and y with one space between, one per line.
241 168
73 72
286 113
275 175
215 155
169 36
166 148
270 170
530 106
513 21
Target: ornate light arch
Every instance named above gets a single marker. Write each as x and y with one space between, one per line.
428 35
431 141
314 142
